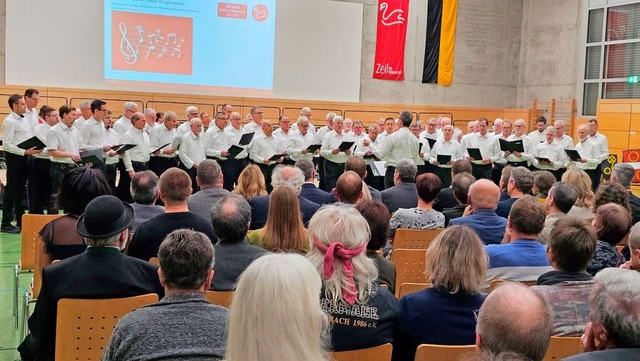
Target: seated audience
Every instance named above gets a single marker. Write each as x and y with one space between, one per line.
79 187
377 215
444 313
183 325
634 249
349 189
404 193
276 314
514 323
287 176
614 330
460 185
520 183
612 222
623 174
584 203
358 165
350 295
309 189
251 182
543 180
445 197
559 201
571 246
102 271
522 258
423 216
480 214
209 179
175 188
144 191
230 218
284 230
611 193
505 174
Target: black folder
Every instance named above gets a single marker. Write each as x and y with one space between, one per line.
443 159
313 147
511 145
543 159
31 143
93 156
431 142
276 156
121 148
573 154
246 138
161 147
345 146
474 153
234 150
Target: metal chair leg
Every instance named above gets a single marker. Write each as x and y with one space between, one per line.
25 315
16 281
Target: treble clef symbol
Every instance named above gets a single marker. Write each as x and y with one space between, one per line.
130 51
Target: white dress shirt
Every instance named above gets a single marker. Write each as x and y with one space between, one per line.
111 137
65 139
191 150
41 132
536 137
78 122
140 153
92 133
122 125
566 142
590 151
233 136
399 145
332 141
297 143
160 136
362 150
602 145
312 128
321 133
32 117
443 147
15 130
215 142
487 144
252 127
264 147
552 151
282 138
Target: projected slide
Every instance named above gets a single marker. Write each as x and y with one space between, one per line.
191 42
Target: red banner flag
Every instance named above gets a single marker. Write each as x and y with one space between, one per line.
390 40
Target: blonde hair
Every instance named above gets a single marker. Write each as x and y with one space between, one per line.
284 230
453 247
251 183
276 314
581 180
345 225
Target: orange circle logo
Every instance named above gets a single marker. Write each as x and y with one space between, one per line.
260 12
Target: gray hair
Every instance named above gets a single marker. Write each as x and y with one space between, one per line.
305 110
407 170
550 129
190 108
302 118
406 117
150 111
307 168
338 118
84 103
374 127
523 179
288 176
129 105
169 114
634 237
564 196
624 174
112 241
186 257
330 115
209 172
144 187
230 218
615 304
193 120
559 122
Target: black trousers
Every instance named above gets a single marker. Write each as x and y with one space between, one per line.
267 170
111 171
231 169
496 172
159 165
58 170
445 176
17 174
192 172
40 186
332 171
375 182
320 163
596 175
388 177
123 190
481 171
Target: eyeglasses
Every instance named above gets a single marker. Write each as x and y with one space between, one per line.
258 113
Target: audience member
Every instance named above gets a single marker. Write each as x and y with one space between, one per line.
611 193
282 176
60 241
612 222
144 191
284 230
614 330
505 175
584 203
350 296
377 215
309 189
566 288
445 198
514 320
276 314
349 188
543 180
520 183
230 218
183 325
358 165
101 272
452 300
623 174
175 188
522 258
634 249
480 214
250 183
423 216
460 185
209 178
561 198
404 194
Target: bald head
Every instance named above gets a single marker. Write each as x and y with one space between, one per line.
484 194
514 318
349 187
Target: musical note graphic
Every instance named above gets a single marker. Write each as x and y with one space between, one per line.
140 31
130 51
176 50
164 51
151 47
171 36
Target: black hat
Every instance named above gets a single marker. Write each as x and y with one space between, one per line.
105 216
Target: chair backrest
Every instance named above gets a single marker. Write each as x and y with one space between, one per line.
377 353
428 352
84 326
410 266
220 298
155 261
561 347
411 287
498 281
414 238
31 226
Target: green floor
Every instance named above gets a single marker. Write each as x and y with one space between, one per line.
9 255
